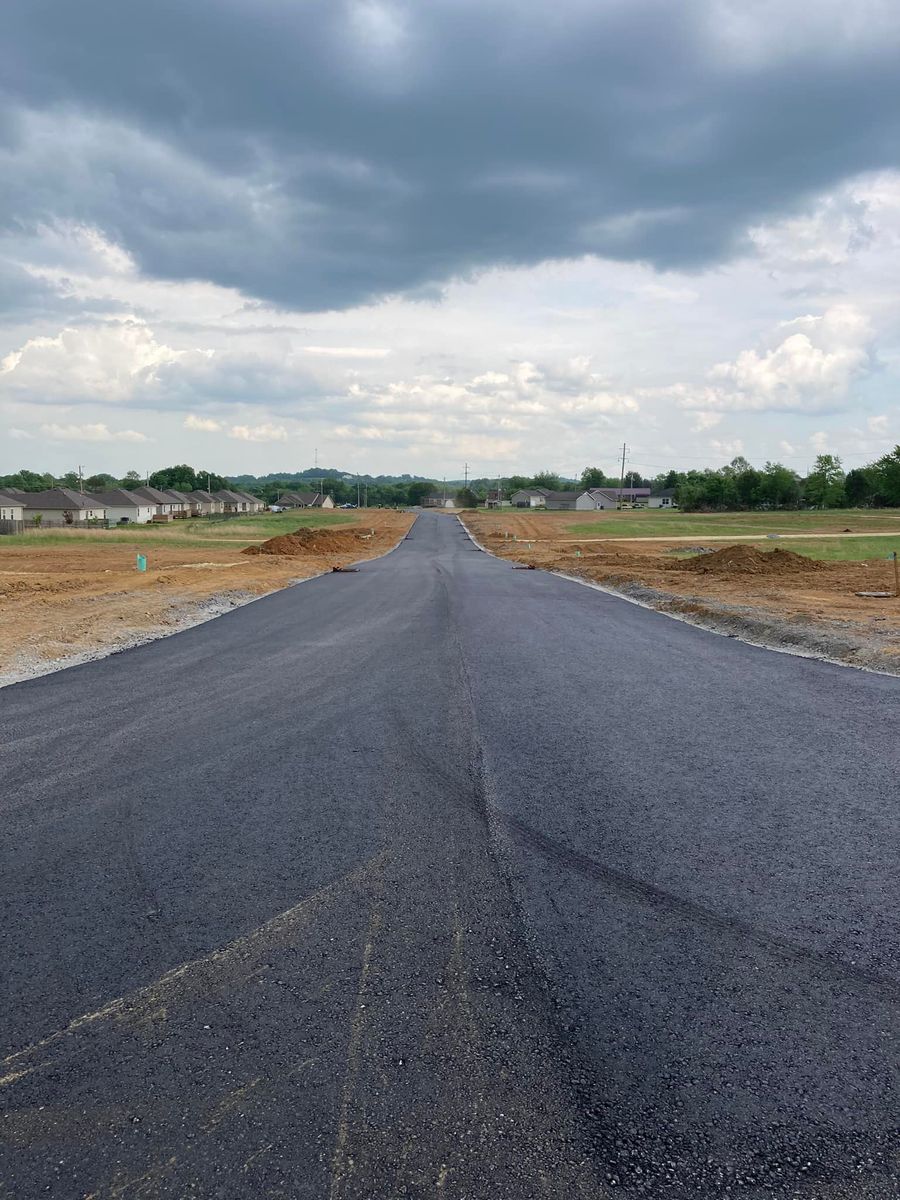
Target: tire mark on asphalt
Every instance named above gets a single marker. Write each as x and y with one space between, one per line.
690 910
237 960
342 1164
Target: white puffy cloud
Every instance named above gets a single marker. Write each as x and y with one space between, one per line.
106 363
90 433
266 432
809 369
202 424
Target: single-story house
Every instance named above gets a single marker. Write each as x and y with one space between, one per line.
562 500
254 504
204 503
64 506
599 498
126 508
305 500
530 498
12 505
494 499
233 502
182 502
664 498
165 505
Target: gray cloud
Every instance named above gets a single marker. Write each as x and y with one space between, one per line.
325 153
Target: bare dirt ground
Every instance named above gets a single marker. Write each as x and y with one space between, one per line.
69 597
759 592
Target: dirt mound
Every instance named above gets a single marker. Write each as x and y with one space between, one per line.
747 560
309 541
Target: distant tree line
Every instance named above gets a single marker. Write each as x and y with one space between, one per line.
733 487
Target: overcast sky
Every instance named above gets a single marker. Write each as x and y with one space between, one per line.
409 236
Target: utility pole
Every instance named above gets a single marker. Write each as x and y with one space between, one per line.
81 478
622 475
357 490
444 492
366 495
467 476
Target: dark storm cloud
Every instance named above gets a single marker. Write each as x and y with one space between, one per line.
323 153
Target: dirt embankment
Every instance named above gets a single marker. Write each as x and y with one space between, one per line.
62 603
772 597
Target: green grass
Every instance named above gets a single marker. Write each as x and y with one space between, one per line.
654 523
255 527
855 549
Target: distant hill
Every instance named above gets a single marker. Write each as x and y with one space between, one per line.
294 477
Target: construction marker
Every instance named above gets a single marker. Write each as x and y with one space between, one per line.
141 562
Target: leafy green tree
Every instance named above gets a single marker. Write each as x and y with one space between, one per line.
131 480
859 487
779 486
101 482
633 479
824 487
417 492
593 477
466 498
547 479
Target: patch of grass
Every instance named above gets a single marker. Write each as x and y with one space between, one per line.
654 523
199 531
851 549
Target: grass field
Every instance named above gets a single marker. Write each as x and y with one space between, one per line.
199 531
654 523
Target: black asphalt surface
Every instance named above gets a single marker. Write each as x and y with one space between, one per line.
447 879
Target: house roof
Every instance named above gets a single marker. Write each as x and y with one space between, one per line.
61 498
12 497
663 492
563 495
120 498
203 497
308 499
176 495
154 494
247 496
613 493
228 496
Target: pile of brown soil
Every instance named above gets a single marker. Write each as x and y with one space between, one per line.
309 541
747 560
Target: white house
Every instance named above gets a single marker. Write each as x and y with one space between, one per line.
63 506
530 498
126 508
12 506
164 504
600 498
664 498
204 503
182 503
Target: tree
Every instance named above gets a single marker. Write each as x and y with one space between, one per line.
131 480
824 486
779 486
101 482
418 491
859 487
466 498
547 479
633 479
593 477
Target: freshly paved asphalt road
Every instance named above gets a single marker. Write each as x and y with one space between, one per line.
446 879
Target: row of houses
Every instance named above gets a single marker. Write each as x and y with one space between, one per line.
120 506
594 499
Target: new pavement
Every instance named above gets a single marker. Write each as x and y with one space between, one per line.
446 879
